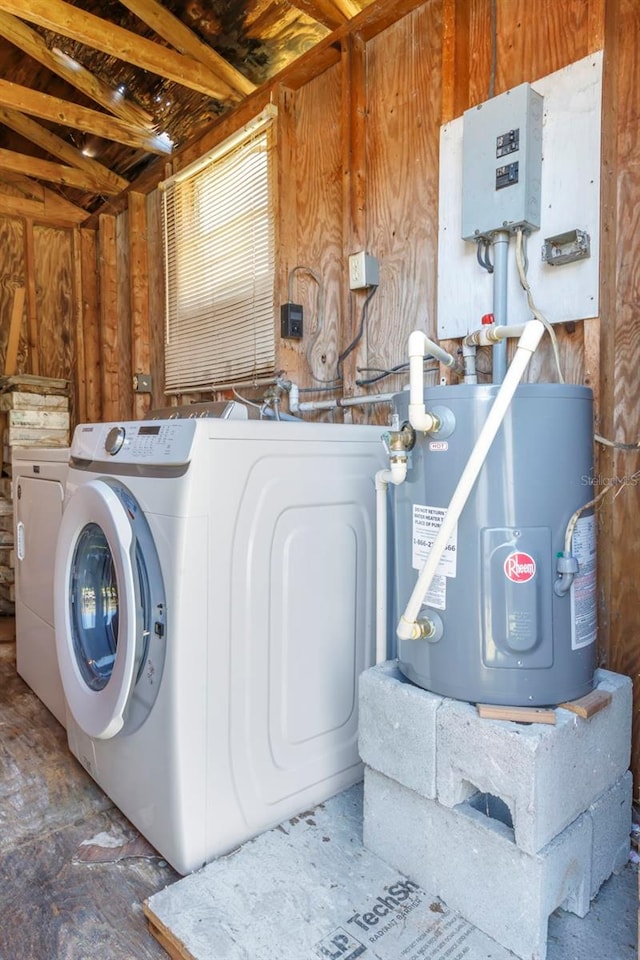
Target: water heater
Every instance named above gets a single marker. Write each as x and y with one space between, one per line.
503 635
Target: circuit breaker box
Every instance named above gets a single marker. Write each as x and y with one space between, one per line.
502 163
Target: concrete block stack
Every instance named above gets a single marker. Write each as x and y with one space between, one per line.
504 821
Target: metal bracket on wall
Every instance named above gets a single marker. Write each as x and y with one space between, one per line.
566 248
142 383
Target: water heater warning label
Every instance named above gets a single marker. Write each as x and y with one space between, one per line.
426 523
584 617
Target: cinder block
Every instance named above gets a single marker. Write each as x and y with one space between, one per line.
611 817
397 728
547 775
472 862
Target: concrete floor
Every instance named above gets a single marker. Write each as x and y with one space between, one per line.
56 904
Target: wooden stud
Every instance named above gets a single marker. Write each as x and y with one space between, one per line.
32 306
80 391
15 329
139 288
109 339
91 325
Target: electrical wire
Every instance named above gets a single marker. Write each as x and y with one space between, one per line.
383 372
616 444
611 485
301 268
482 254
520 263
358 337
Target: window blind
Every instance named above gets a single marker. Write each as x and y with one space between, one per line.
218 219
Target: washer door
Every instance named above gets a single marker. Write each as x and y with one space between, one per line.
95 608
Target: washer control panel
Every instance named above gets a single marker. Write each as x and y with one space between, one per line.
141 441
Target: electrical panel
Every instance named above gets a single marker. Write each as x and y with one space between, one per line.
502 164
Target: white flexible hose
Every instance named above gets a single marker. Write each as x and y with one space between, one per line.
396 475
407 628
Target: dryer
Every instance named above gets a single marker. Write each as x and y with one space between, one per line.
214 609
38 483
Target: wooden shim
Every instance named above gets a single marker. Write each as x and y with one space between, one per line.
15 328
490 711
167 940
590 704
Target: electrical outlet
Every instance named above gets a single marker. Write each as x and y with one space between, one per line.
363 271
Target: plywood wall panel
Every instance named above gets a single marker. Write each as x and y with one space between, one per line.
404 110
318 215
535 40
54 290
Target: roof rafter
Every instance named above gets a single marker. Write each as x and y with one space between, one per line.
56 147
174 31
86 28
42 105
22 36
53 172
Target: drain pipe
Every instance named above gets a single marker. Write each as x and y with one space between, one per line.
409 627
400 441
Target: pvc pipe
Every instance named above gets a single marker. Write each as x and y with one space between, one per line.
396 475
408 628
295 406
419 346
491 334
500 277
469 360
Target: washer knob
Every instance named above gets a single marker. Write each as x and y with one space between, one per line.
115 439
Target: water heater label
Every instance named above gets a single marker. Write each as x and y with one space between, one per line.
426 523
436 595
519 567
584 614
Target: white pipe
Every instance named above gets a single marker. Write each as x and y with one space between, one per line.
491 334
295 406
396 475
408 628
419 346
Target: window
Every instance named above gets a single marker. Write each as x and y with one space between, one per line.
218 218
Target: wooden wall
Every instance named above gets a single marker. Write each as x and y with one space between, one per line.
357 167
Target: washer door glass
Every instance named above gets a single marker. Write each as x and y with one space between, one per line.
93 591
97 609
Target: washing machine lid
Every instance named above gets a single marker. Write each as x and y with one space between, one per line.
95 608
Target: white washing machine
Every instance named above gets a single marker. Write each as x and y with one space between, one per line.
214 608
38 483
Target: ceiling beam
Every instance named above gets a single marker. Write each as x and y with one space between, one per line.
69 21
42 105
52 172
22 36
175 32
32 130
323 11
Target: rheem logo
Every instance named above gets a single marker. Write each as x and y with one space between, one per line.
519 567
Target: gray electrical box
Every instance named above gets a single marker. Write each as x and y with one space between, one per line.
502 164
